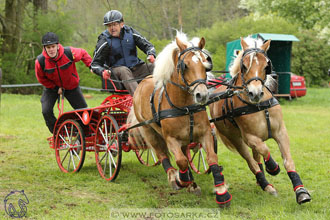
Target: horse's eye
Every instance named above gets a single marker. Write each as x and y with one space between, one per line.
184 67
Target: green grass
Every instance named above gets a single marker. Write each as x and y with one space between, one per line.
27 163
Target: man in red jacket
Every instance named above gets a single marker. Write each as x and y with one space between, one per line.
56 70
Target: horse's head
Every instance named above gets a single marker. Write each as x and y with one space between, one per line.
254 67
192 63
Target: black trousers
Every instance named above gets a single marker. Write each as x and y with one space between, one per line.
48 100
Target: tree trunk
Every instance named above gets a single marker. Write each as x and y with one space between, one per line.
40 5
166 18
0 85
14 13
179 14
9 27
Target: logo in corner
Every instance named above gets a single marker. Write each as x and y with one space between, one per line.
15 204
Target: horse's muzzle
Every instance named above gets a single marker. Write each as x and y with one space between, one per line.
201 94
255 93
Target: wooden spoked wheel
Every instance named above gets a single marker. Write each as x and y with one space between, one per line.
107 148
70 146
197 157
147 157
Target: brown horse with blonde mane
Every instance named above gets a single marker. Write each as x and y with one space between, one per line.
171 107
250 118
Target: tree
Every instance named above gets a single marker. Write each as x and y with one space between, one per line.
12 25
310 14
311 58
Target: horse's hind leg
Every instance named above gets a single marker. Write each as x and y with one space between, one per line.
257 158
258 146
158 144
184 177
282 139
256 169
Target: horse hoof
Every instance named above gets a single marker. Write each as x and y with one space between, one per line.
225 205
302 196
174 185
271 190
193 188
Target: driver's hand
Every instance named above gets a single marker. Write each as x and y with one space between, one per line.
106 74
151 58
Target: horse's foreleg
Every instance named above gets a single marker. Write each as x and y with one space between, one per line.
282 139
223 197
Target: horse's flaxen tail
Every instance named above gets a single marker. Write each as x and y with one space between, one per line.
135 135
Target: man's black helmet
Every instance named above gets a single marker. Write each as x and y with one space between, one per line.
112 16
49 38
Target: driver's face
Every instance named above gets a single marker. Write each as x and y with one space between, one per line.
114 28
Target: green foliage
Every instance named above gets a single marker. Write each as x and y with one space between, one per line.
311 58
309 13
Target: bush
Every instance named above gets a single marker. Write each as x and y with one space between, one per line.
311 58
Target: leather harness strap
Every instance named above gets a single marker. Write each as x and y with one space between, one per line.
231 113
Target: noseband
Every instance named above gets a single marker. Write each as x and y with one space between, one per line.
244 70
181 68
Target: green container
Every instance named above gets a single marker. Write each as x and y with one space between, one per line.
284 83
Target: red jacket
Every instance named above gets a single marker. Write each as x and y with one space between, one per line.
60 71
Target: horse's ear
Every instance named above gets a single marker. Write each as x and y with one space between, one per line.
244 45
181 45
201 43
265 46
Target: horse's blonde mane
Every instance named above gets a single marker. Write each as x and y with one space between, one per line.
164 64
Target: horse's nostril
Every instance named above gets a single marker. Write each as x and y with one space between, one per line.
251 94
262 94
198 96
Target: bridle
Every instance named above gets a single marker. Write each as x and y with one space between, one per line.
244 70
181 66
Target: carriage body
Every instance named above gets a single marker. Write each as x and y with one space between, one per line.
98 129
280 54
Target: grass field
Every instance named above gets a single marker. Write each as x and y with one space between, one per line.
27 163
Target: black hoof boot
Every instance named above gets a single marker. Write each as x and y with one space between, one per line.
271 166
